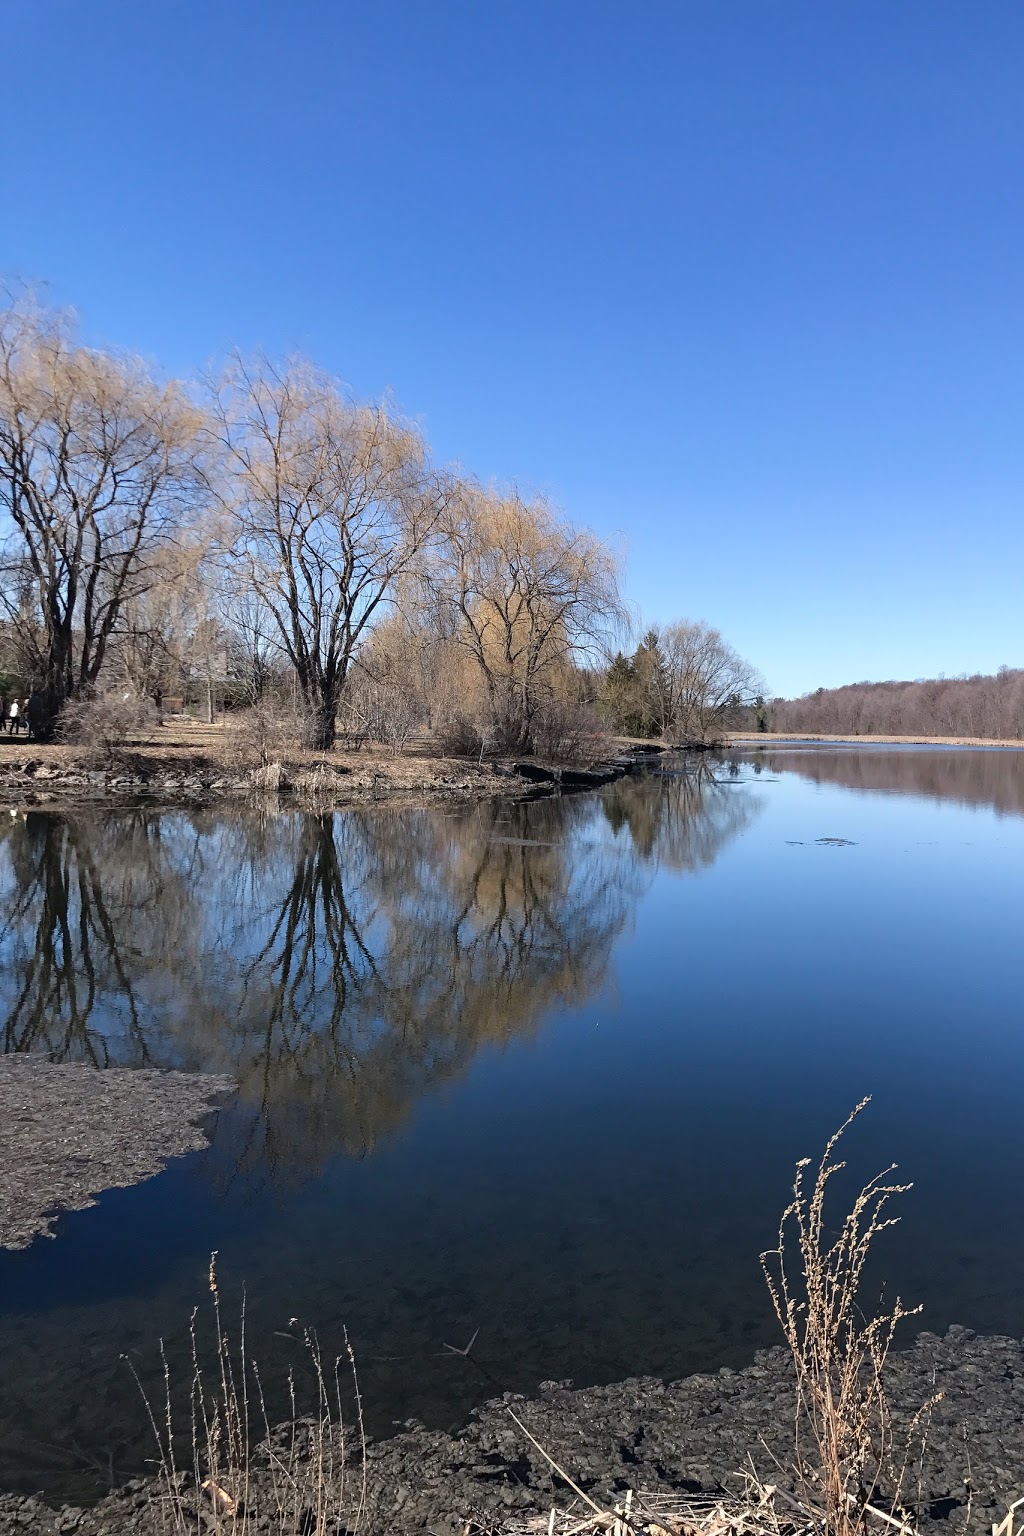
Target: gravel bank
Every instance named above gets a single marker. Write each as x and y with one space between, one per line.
68 1132
686 1436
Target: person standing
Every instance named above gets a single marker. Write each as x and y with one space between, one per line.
13 715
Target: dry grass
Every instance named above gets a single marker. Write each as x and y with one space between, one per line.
231 751
843 1435
754 1512
181 741
295 1482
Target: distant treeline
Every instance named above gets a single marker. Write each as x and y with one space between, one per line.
991 706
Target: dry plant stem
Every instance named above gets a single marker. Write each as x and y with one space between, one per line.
237 1485
839 1353
560 1470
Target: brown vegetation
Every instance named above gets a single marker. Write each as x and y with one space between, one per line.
103 728
979 708
970 778
844 1443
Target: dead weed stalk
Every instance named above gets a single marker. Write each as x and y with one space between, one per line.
293 1479
844 1449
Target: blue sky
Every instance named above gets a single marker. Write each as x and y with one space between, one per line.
738 283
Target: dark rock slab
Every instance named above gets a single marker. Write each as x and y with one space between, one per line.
589 778
534 773
67 1132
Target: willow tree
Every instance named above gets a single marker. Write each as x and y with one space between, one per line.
100 463
528 597
708 684
331 503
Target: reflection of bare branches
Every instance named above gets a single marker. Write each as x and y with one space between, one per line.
399 945
683 819
338 966
314 939
83 894
57 977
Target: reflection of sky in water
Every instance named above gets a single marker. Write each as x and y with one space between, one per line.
563 1091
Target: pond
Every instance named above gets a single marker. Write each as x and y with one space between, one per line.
533 1074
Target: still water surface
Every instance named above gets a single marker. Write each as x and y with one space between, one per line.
537 1070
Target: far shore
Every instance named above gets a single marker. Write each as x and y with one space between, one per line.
768 738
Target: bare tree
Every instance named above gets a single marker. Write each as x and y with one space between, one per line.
708 683
99 464
331 503
527 597
253 644
156 630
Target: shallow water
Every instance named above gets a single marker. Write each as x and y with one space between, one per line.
537 1070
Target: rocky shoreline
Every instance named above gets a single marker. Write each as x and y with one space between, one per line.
68 1132
37 781
685 1438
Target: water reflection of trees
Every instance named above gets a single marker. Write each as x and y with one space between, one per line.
339 966
400 946
969 776
683 819
81 896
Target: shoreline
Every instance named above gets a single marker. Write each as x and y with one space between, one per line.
690 1437
795 738
43 778
71 1131
687 1439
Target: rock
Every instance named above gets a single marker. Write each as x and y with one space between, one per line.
534 773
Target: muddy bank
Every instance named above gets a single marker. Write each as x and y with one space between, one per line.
698 1435
69 1132
688 1436
39 782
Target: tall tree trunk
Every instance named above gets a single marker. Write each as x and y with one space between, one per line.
44 707
322 724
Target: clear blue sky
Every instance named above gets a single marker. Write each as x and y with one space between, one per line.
740 281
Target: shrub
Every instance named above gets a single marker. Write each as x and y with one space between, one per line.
102 727
566 731
379 708
264 734
460 737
